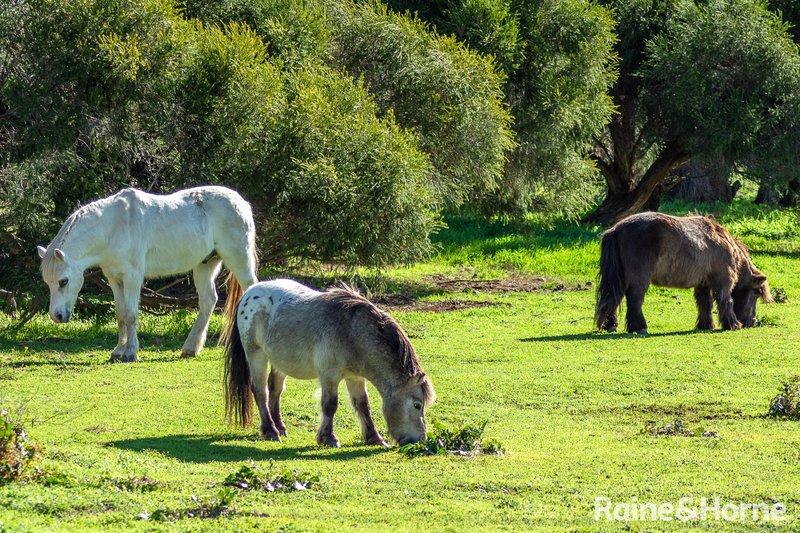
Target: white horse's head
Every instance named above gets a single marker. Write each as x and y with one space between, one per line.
65 279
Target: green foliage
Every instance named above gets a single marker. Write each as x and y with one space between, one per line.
294 31
250 477
18 455
465 440
449 95
787 403
559 63
102 95
718 74
347 186
560 102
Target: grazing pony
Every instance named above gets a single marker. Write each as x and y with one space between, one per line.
330 336
678 252
134 235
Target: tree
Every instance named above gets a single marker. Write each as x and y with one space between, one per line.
695 78
100 95
558 60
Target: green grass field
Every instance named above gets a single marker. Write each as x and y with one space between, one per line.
570 406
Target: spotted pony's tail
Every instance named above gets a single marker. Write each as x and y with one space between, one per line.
237 382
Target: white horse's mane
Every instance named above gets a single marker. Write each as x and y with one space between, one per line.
61 236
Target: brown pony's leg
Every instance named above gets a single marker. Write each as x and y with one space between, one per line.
727 316
330 402
276 383
258 375
705 302
357 388
634 318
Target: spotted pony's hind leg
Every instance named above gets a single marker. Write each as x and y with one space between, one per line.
204 276
276 382
357 388
257 362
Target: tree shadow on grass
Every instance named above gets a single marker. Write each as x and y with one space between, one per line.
206 449
596 336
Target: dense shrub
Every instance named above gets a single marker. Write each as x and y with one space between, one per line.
448 94
295 31
559 63
99 95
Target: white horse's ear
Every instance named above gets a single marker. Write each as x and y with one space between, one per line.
42 250
59 253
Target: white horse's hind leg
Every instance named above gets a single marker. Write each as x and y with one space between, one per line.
204 275
239 261
357 388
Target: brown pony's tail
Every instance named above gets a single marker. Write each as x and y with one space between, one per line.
235 292
238 394
611 288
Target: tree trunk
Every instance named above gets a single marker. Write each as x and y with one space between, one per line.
645 193
706 180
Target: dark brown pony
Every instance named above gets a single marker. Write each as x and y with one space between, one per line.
678 252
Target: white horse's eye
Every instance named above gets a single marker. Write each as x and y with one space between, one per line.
62 283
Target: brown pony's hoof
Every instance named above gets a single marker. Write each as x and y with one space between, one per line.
282 432
271 436
642 331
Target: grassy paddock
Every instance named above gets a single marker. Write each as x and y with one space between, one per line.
572 408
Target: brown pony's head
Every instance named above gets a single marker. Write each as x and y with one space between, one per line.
751 286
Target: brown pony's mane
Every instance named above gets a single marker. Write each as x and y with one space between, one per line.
350 300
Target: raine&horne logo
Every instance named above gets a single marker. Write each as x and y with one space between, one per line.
687 509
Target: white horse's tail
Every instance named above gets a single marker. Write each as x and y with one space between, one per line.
235 292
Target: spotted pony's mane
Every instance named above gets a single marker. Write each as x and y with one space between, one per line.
349 300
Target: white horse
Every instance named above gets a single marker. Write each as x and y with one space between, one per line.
330 336
134 235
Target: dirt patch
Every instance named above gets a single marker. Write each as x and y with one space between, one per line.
394 302
439 283
509 284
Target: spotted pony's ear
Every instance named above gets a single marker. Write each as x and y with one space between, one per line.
41 251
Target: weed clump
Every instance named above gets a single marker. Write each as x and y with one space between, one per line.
18 455
466 440
248 477
787 403
217 507
678 428
779 295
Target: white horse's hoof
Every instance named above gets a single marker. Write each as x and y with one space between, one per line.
188 353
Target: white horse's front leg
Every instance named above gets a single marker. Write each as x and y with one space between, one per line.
128 317
204 276
116 288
